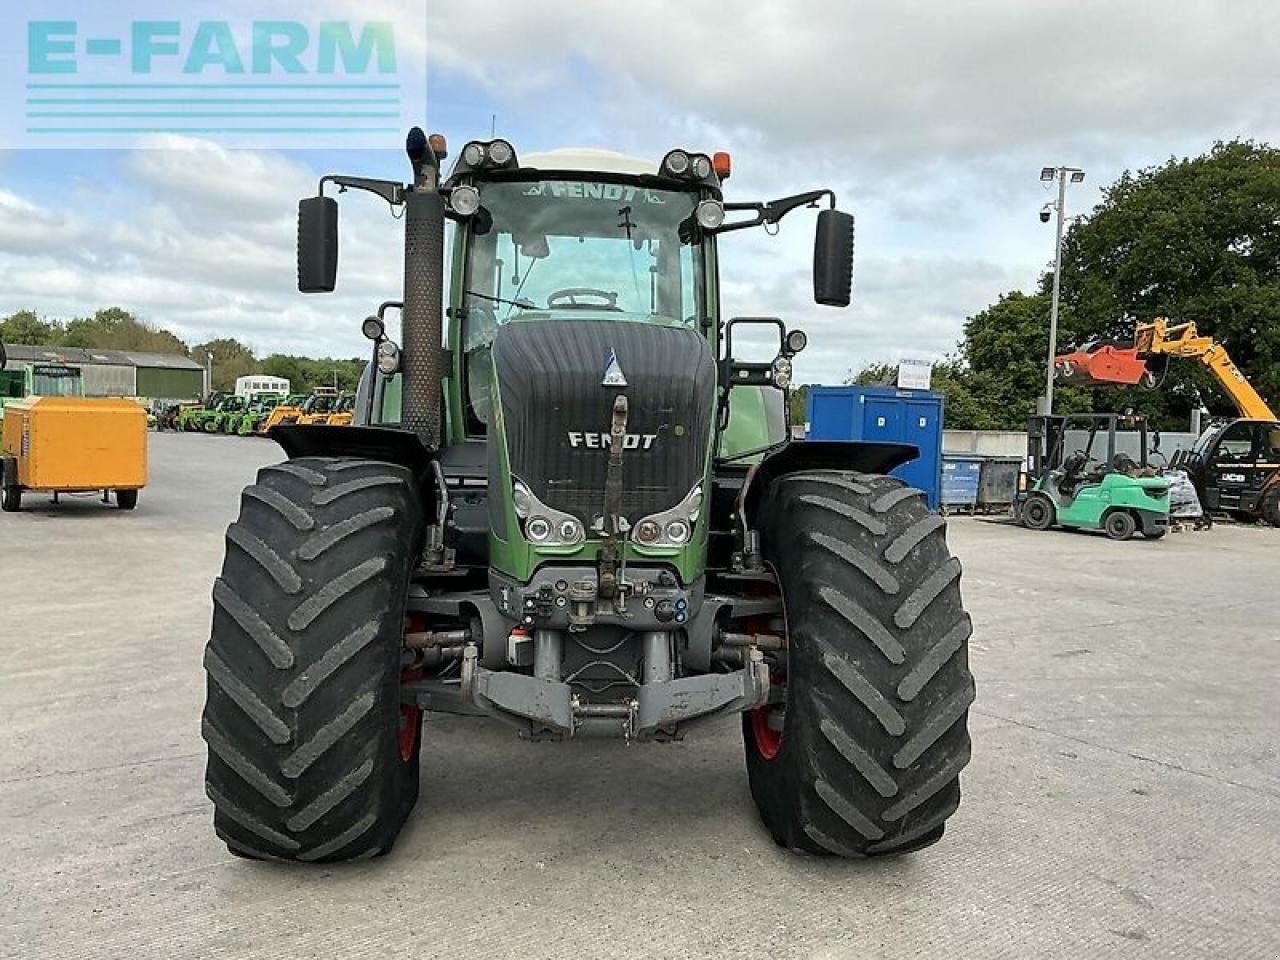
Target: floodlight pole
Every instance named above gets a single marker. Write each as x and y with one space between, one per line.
1061 174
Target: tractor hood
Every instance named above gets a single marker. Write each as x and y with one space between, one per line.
556 382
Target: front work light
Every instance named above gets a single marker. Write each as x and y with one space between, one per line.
388 358
373 328
710 214
465 200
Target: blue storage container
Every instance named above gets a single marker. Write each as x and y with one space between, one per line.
961 476
885 415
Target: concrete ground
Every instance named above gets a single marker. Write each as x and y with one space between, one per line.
1123 798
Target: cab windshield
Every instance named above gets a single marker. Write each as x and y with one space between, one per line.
574 249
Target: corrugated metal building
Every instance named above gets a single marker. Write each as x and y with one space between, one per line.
119 373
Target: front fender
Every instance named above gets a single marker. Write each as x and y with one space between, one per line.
802 455
388 444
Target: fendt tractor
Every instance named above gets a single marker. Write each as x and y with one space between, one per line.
566 505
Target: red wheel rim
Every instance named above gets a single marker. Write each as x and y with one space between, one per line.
410 727
768 740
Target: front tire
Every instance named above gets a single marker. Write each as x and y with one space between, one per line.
308 758
126 499
865 754
11 499
1037 512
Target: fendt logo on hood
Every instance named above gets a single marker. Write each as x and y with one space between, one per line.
600 441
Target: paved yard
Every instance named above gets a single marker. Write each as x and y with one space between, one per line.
1123 798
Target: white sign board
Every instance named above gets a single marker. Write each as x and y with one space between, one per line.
915 375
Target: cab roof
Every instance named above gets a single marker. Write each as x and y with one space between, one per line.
588 160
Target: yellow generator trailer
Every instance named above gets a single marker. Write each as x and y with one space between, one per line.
69 444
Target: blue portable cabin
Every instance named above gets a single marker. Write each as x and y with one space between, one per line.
885 415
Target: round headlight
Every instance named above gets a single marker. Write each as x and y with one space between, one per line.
538 529
782 372
701 166
373 328
473 154
677 162
570 531
500 152
678 531
388 357
465 200
522 499
797 340
710 214
648 532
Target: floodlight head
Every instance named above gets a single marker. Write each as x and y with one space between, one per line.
1077 176
1047 173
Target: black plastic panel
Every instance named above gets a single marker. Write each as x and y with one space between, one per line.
557 411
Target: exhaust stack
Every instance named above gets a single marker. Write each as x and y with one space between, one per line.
423 315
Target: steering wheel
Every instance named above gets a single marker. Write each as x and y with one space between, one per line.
568 299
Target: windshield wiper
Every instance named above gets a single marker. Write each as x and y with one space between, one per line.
522 304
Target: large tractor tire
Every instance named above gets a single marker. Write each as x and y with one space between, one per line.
863 757
311 756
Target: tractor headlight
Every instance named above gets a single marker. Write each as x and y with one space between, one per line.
543 525
782 373
473 154
710 214
671 528
501 153
465 200
388 358
701 166
676 163
373 328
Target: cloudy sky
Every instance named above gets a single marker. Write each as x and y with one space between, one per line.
931 120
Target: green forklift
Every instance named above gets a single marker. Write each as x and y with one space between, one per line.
1097 486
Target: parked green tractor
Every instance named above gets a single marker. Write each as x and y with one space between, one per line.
546 524
1096 487
255 414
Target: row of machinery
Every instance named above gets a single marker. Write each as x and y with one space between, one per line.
1235 464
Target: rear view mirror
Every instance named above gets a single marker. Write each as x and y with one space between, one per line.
833 259
317 245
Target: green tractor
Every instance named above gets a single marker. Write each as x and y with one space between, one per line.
254 415
585 517
1092 488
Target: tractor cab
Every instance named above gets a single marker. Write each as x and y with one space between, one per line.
1091 472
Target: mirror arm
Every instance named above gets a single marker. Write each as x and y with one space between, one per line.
388 190
774 210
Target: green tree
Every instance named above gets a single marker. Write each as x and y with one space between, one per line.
231 359
27 328
1194 239
117 329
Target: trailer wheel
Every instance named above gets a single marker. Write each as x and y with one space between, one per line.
11 499
309 759
1119 525
1037 512
863 756
126 499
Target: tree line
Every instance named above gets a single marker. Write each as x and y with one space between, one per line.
1191 239
117 329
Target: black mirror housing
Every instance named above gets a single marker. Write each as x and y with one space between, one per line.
833 259
317 245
